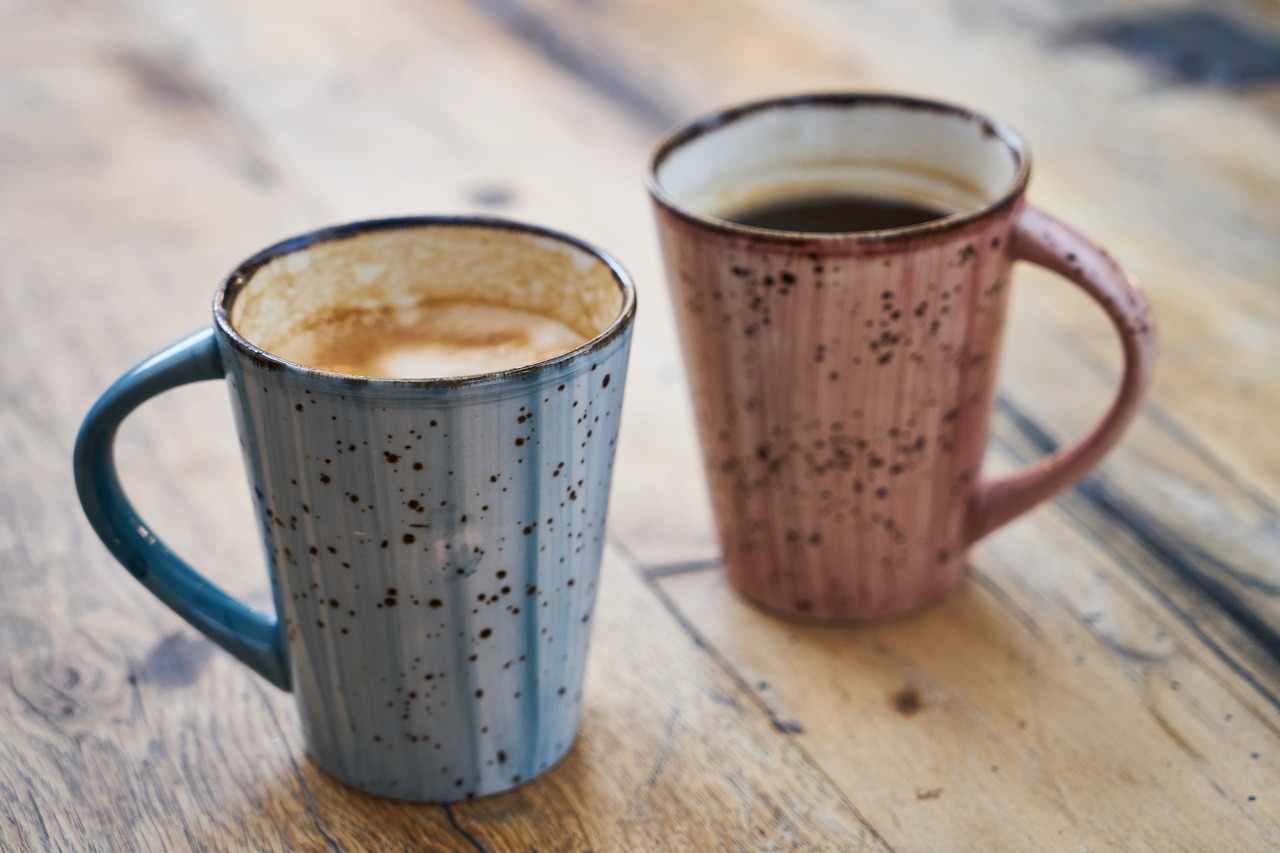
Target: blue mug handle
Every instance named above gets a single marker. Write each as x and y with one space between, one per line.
253 637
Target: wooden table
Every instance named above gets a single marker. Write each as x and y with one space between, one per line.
1108 679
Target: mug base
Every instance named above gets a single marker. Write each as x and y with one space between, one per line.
895 613
428 795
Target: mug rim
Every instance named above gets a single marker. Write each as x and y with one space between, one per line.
235 281
702 125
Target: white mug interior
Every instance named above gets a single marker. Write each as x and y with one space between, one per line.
916 151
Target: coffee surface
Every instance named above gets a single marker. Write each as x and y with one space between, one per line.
830 214
429 340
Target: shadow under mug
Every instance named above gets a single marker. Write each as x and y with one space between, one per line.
433 544
843 382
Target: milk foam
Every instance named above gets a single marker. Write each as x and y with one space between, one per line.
429 340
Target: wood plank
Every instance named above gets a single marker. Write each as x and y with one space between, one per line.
1050 703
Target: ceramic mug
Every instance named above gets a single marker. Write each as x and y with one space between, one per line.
844 382
433 544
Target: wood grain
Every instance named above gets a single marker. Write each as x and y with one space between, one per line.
1057 673
992 721
1132 625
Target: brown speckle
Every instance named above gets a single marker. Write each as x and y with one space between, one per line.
907 701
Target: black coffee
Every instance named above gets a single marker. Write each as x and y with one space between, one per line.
828 214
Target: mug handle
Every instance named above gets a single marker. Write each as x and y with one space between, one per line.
252 637
1043 240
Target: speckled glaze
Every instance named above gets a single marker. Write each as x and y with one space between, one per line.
434 546
844 383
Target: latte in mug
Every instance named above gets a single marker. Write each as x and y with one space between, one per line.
430 339
370 312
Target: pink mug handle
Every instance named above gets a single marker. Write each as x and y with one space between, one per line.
1041 239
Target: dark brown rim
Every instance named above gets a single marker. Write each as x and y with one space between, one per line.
690 130
235 282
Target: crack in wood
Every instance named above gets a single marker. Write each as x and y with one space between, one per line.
1194 45
307 798
544 35
453 821
1170 553
1176 736
167 81
665 749
667 570
732 673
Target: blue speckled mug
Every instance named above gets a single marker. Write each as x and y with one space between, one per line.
433 544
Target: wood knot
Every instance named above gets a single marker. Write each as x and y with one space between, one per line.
907 701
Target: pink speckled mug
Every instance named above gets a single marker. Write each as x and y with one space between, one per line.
844 381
